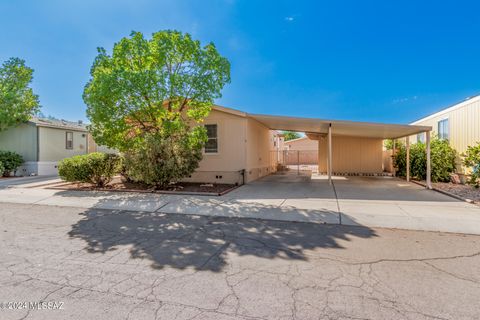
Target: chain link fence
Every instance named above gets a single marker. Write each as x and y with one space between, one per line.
299 160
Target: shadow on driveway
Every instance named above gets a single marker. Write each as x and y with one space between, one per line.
203 243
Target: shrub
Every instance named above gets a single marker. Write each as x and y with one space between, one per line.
472 160
442 157
164 160
11 161
96 168
2 168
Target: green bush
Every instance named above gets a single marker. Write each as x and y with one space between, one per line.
96 168
164 160
11 161
472 160
442 157
2 168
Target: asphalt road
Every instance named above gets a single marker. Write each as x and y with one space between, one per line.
105 264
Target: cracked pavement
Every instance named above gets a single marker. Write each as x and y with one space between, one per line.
114 264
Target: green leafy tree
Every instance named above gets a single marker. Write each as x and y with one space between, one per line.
442 155
472 159
155 92
290 135
17 100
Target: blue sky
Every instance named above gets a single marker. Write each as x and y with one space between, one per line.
385 61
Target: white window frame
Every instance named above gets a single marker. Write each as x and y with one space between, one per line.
447 128
218 144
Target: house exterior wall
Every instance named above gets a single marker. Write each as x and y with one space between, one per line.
352 155
301 144
258 151
224 166
463 125
21 139
52 144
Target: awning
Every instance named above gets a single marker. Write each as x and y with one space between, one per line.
339 127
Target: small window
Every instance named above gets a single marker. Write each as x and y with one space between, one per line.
212 144
69 140
443 129
421 137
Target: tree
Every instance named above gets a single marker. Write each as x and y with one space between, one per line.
155 92
290 135
17 100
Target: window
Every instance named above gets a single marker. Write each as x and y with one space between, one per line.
421 137
443 129
69 140
212 144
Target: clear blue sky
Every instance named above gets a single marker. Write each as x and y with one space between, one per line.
385 61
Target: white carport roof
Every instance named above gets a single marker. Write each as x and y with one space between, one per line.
339 127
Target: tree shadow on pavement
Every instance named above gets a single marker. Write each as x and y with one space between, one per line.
201 242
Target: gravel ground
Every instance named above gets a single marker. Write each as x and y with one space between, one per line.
464 191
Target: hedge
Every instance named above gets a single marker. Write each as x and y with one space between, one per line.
472 160
95 168
10 161
442 157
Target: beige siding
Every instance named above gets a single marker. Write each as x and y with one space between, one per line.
258 150
464 124
352 155
94 147
22 140
224 166
301 144
52 145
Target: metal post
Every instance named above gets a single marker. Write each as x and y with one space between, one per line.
393 155
407 145
298 162
330 164
429 170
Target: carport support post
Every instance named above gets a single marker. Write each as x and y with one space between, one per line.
329 162
429 170
393 155
407 145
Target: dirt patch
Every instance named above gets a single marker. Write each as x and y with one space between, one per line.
466 192
119 184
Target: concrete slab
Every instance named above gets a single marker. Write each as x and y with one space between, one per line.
25 182
109 200
394 203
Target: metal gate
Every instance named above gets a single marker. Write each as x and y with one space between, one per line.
298 160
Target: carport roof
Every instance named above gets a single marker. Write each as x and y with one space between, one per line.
339 127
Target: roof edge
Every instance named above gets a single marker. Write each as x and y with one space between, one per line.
449 109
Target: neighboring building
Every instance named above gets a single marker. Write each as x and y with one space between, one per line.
301 144
459 124
44 142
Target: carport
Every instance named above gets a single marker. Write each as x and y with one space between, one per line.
345 136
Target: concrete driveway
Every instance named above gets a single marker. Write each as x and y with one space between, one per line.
357 201
117 264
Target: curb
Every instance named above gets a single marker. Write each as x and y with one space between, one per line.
190 193
445 192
